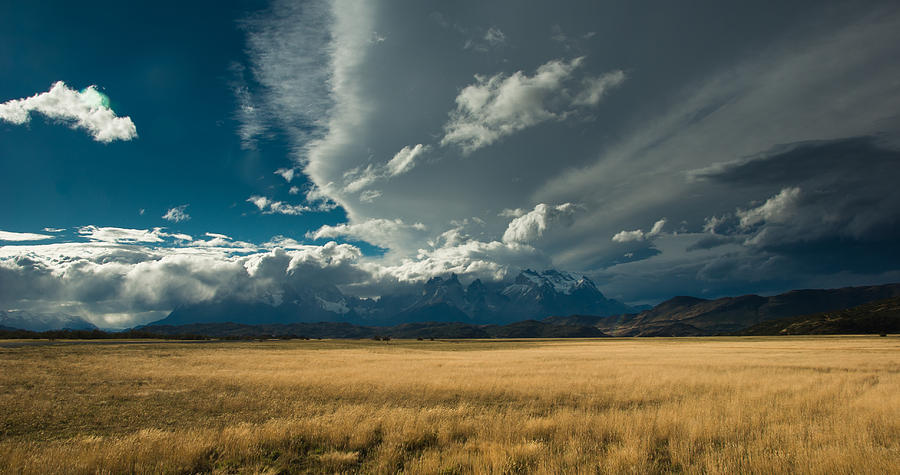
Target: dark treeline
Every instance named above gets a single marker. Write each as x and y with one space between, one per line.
15 334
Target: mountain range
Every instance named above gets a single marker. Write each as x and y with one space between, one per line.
534 304
531 295
680 316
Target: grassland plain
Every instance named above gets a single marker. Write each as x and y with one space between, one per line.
712 405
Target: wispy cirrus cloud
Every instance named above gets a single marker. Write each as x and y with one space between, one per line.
295 85
361 178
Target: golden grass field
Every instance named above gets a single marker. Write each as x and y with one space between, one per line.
710 405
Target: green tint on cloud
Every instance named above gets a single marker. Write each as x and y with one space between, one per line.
94 97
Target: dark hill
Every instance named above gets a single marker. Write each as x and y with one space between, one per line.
577 320
882 316
686 316
535 329
435 330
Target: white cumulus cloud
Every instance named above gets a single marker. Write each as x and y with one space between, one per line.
286 173
177 214
88 109
532 225
497 106
638 235
512 212
123 284
268 206
777 209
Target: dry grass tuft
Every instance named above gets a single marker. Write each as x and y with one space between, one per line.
714 405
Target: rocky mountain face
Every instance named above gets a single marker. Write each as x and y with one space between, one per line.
553 292
531 295
38 322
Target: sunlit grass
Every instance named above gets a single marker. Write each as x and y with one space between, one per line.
813 405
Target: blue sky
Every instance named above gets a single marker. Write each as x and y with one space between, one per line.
172 74
707 150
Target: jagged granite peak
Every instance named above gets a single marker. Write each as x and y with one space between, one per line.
476 286
437 282
476 292
449 291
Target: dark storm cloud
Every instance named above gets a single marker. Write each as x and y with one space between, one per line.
835 189
830 207
853 160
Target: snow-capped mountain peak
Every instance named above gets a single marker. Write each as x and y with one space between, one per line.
561 282
533 295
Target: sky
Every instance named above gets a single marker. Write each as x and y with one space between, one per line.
158 154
